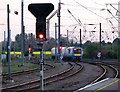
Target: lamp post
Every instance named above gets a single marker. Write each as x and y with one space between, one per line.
8 43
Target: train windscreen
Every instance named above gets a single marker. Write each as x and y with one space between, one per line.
77 51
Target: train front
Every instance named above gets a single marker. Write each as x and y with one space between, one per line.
77 53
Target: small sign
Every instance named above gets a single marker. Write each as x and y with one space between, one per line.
99 54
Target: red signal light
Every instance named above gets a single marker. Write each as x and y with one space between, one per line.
60 47
41 36
30 49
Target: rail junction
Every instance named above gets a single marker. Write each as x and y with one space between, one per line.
72 76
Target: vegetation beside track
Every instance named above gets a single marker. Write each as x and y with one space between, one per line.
16 65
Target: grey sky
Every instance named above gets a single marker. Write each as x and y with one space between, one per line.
88 11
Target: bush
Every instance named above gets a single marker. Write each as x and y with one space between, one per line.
111 55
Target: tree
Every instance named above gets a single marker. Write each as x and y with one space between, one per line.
29 40
18 42
71 42
1 48
90 49
103 42
64 41
50 44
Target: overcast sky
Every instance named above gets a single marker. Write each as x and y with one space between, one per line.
87 11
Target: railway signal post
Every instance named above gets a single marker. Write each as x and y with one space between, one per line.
30 51
41 11
40 48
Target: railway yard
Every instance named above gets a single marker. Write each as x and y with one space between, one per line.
68 45
69 76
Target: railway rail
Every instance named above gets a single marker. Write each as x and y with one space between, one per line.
106 72
75 68
46 67
109 71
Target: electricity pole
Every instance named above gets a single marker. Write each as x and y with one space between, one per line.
22 34
80 39
56 54
48 23
59 8
100 36
99 54
4 42
67 37
118 53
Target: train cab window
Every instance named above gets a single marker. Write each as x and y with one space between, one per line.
69 51
77 51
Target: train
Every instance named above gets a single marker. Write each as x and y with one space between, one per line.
68 53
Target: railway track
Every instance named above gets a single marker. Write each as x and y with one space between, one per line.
109 71
47 66
74 69
24 76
